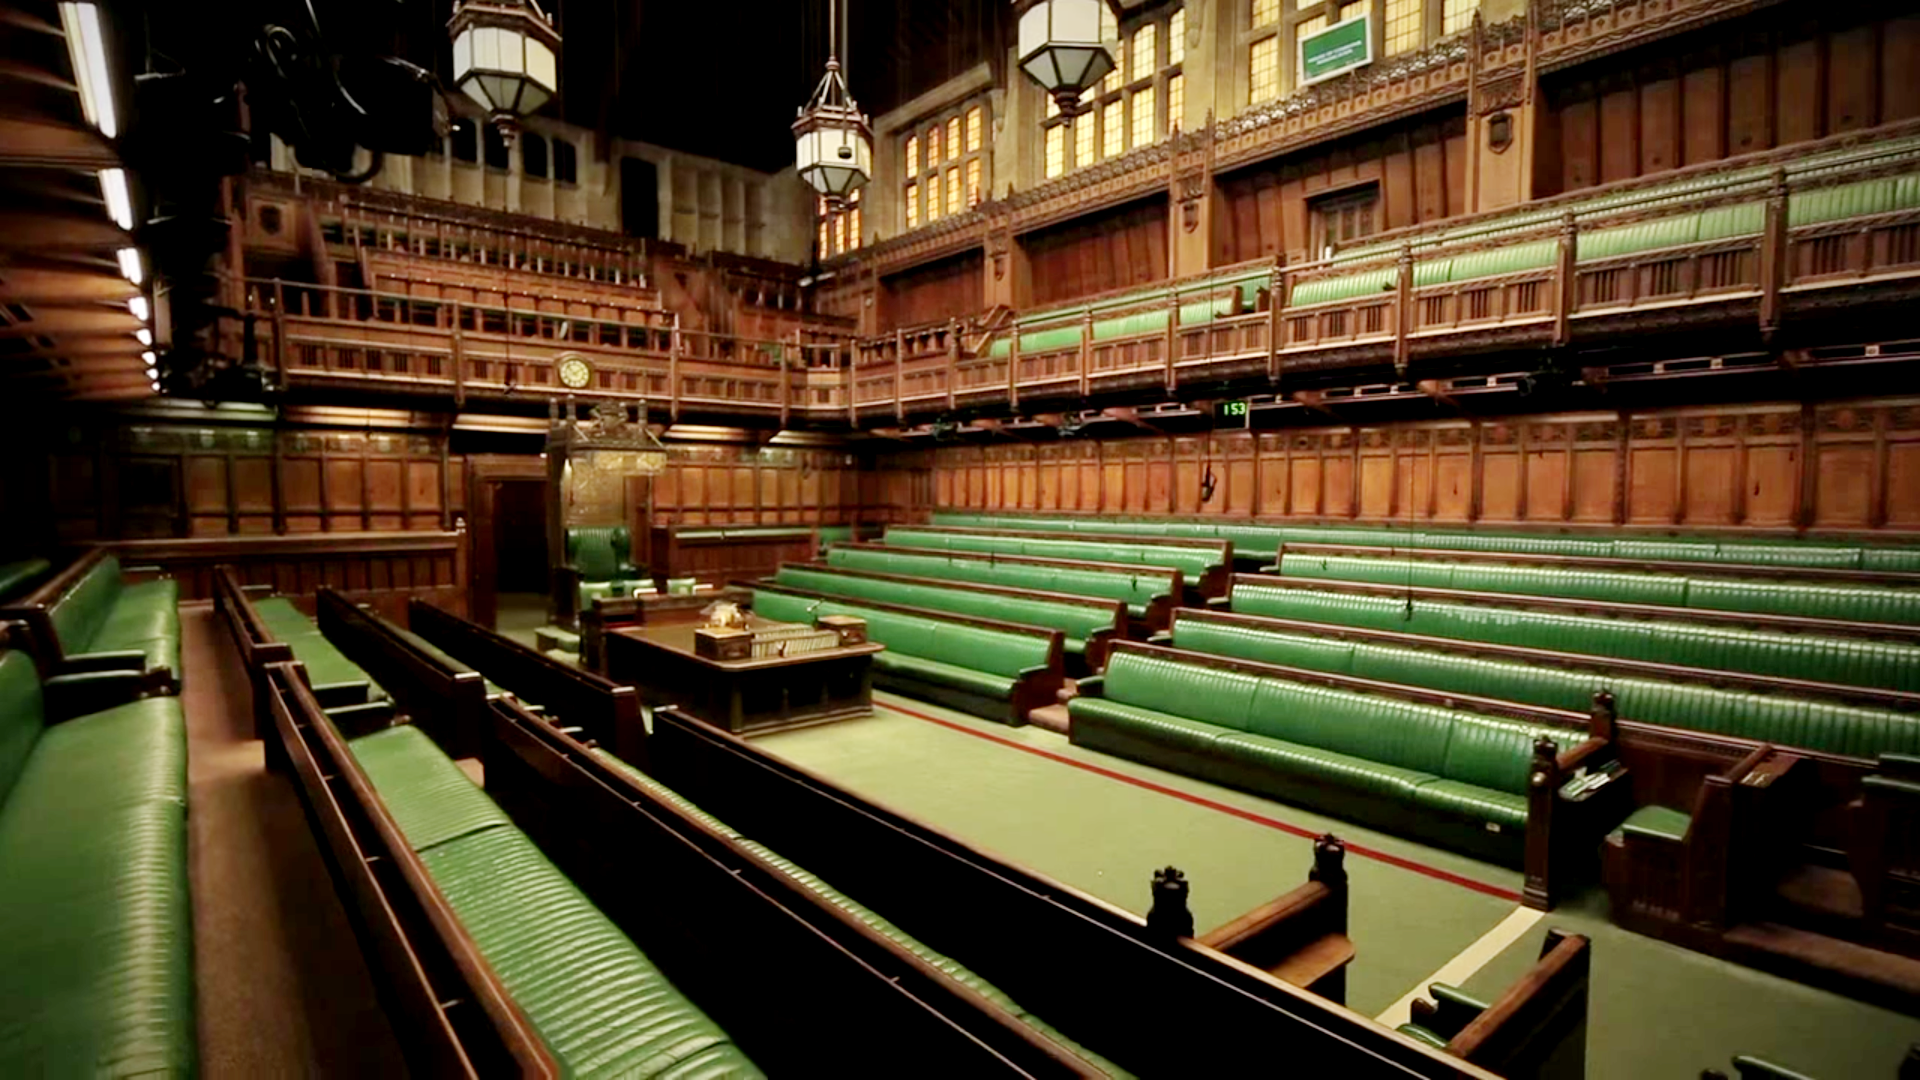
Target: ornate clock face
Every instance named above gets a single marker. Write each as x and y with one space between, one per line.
575 373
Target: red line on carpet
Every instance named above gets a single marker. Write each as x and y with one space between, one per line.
1245 815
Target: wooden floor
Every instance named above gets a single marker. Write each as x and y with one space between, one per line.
282 991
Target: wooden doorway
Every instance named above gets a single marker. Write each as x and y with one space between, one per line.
507 499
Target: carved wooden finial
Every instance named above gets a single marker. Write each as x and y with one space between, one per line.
1545 754
1329 862
1169 914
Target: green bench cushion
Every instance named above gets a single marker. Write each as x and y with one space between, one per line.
985 683
429 796
93 848
1472 801
1322 766
598 1003
1658 822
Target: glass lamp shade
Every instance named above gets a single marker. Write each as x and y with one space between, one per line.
834 154
1061 49
505 56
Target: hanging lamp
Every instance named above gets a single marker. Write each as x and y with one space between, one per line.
1062 50
833 142
505 57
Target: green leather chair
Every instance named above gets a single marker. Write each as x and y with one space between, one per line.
603 557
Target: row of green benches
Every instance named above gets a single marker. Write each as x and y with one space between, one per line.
96 964
1263 541
440 812
537 934
1205 563
1089 625
1817 657
1478 779
1846 601
998 670
1150 592
1685 699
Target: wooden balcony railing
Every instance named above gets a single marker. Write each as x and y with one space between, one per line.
1387 301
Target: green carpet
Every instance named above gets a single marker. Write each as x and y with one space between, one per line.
1106 836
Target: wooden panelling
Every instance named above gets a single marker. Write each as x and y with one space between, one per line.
1736 467
1690 102
384 569
1417 166
935 292
734 486
171 480
1116 249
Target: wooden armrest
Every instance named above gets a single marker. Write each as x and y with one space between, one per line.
1749 763
1314 962
1273 914
1533 987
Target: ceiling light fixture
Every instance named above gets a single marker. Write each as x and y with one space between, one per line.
833 141
113 187
87 45
147 358
138 305
130 265
1061 48
144 336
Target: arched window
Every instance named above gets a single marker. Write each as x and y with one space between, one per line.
533 155
497 153
466 144
564 169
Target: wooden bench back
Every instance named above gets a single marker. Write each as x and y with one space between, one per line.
799 980
606 712
451 1013
1540 1022
448 701
1156 1006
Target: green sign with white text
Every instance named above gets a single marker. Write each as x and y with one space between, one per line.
1336 50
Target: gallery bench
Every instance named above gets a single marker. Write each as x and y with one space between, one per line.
1207 564
1819 716
999 670
1154 1004
1863 655
490 961
271 630
1150 592
1472 774
1090 626
86 619
97 967
810 980
21 574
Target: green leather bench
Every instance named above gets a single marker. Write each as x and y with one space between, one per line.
1150 592
603 557
996 670
1890 665
1205 566
86 619
96 969
1089 625
600 1006
1850 602
334 680
1252 540
1804 722
1447 775
21 575
828 895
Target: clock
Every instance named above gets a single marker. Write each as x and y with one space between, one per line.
575 373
